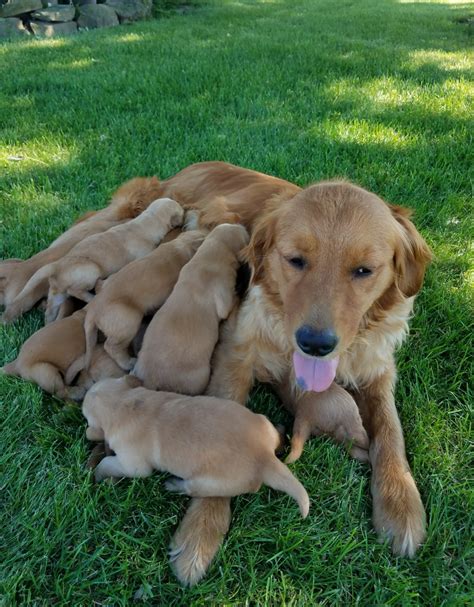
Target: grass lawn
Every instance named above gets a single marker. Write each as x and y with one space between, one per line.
378 91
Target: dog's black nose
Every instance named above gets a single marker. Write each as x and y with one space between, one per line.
314 342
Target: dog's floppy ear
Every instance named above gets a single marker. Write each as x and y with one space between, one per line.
412 254
261 242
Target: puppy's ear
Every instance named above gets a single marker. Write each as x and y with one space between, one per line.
261 241
412 254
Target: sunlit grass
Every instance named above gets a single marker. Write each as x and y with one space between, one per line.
376 91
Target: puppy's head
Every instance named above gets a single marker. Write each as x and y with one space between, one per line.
328 256
166 210
235 236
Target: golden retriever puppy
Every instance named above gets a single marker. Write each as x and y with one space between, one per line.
46 356
332 412
127 202
179 342
138 289
53 356
103 254
213 447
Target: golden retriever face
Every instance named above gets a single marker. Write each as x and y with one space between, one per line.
328 255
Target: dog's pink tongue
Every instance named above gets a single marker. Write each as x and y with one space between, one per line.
314 374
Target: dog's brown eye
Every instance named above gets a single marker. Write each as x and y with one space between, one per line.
361 272
297 262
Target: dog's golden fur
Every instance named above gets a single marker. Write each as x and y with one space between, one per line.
100 255
127 202
54 355
337 226
178 344
140 288
214 447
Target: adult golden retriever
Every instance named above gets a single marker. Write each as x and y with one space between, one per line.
334 273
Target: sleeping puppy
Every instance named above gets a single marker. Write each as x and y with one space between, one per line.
214 447
139 288
103 254
179 342
127 202
53 356
332 412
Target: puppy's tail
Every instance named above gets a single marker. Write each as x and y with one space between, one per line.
277 476
90 330
38 277
301 433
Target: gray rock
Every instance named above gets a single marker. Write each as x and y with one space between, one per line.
18 7
12 27
131 10
50 30
47 3
61 13
82 2
97 15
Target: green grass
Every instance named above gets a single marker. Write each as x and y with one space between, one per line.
377 91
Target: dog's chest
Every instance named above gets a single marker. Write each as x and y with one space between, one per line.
371 353
263 333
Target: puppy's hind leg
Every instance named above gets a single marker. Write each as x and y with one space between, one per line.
115 466
48 377
118 350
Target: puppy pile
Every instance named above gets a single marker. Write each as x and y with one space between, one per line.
142 287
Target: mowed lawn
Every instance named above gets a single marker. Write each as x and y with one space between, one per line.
377 91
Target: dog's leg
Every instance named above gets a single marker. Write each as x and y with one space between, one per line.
119 352
48 377
207 520
81 294
398 512
112 465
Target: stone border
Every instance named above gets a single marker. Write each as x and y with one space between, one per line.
47 18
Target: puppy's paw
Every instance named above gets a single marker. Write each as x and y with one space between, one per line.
398 513
176 485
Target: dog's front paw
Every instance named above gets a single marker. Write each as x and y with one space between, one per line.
398 513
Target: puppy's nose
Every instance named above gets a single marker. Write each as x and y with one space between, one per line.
314 342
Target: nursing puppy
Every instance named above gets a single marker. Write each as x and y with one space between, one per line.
179 342
136 290
103 254
333 412
53 356
214 447
46 356
127 202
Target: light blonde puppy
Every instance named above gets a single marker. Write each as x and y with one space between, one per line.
214 447
332 412
100 255
53 356
139 288
179 341
127 202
